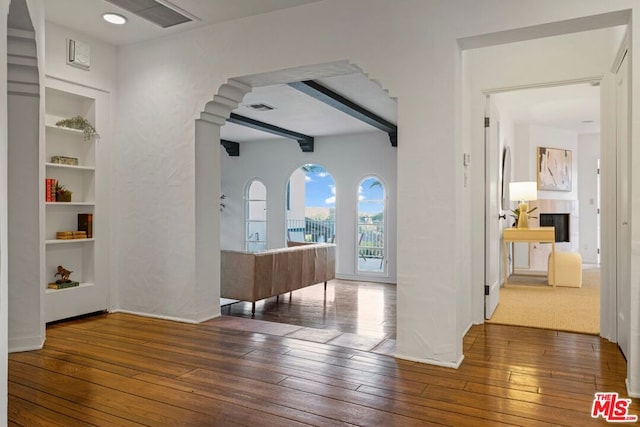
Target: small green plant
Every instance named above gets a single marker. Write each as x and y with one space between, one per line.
80 123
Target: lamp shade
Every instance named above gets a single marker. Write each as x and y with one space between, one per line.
523 191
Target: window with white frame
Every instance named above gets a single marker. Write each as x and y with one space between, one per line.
255 217
370 245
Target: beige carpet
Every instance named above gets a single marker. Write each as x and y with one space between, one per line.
529 301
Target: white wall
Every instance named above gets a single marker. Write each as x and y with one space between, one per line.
177 76
104 59
348 158
296 195
530 138
4 334
588 155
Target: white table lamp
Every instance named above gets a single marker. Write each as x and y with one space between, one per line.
523 192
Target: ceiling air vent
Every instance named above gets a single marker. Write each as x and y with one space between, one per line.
260 107
162 13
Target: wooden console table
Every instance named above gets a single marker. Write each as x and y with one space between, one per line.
529 235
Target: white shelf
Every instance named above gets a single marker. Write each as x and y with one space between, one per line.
70 203
58 165
80 286
67 241
70 131
83 257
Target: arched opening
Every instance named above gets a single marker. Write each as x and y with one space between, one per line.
255 237
311 205
370 246
26 327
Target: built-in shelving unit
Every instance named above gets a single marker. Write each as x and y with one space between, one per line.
81 256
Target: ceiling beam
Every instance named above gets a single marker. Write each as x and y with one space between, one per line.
329 97
305 141
233 148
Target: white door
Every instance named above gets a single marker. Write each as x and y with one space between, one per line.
623 244
492 227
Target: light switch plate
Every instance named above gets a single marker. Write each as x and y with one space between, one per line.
78 54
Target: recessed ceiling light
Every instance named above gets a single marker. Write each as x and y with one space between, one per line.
114 18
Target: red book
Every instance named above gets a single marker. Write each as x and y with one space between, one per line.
47 186
52 193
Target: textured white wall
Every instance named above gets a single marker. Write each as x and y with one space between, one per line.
410 47
104 59
588 155
348 158
4 335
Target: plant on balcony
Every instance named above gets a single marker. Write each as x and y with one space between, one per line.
80 123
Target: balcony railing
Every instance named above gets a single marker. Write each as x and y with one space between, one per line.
370 241
311 230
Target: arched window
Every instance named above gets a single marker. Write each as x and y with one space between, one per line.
371 227
311 205
255 217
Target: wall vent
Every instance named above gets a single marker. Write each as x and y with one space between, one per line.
162 13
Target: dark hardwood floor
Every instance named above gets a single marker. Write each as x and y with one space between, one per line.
124 370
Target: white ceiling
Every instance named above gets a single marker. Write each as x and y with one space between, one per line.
301 113
572 107
575 107
85 16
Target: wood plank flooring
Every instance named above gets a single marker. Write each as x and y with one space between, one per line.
363 308
124 370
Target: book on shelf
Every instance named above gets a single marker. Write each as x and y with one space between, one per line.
70 235
50 189
85 223
63 285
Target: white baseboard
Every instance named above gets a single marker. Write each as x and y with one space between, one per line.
376 279
26 344
172 318
454 365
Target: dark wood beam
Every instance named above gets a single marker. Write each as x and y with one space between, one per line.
233 148
305 141
334 99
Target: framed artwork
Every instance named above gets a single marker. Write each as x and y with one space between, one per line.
554 169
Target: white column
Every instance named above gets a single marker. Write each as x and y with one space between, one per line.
207 200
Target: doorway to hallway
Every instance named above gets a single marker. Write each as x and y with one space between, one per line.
564 118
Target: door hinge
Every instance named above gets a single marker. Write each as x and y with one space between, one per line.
598 211
486 289
486 122
598 251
